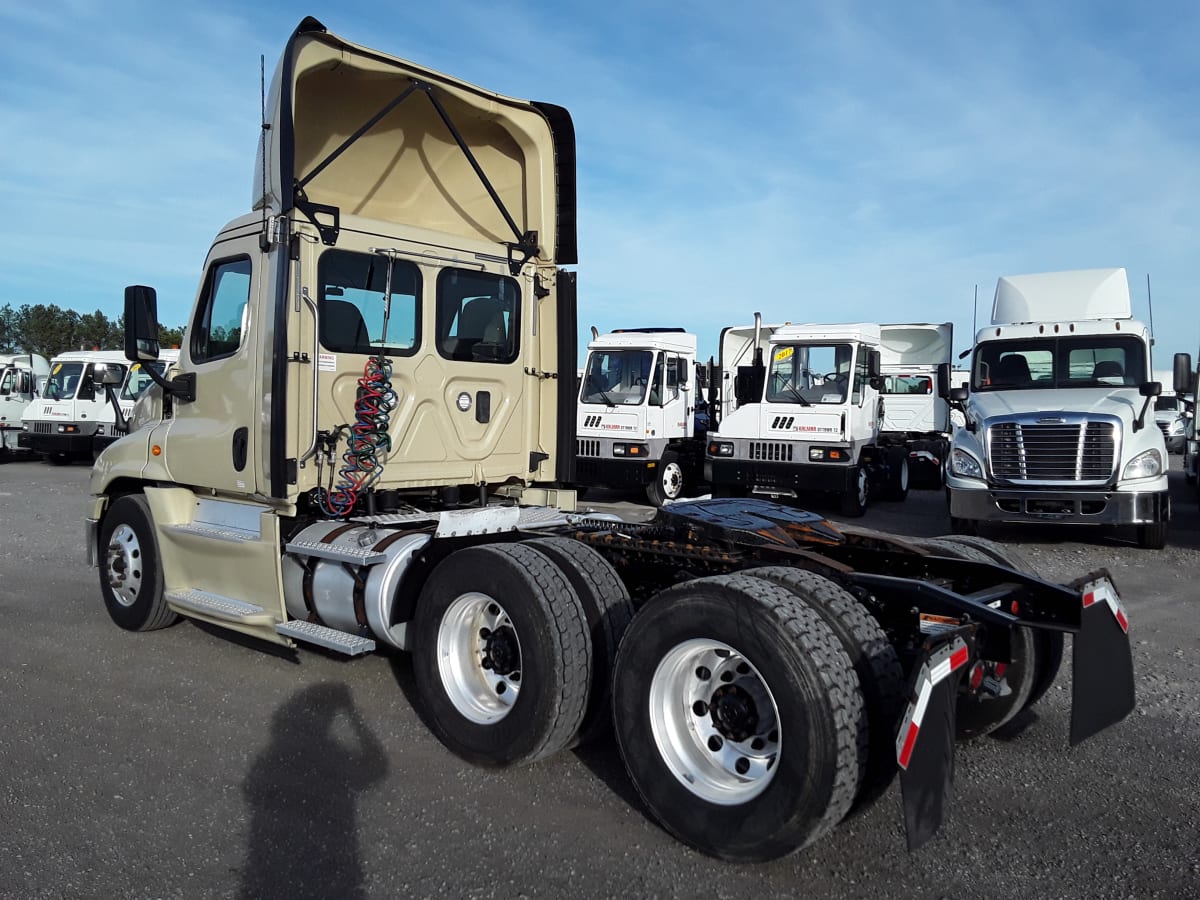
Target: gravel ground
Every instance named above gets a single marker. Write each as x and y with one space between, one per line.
186 763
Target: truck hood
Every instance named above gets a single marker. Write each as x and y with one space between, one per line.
352 131
1124 402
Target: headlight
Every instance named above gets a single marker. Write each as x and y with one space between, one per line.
964 465
639 450
828 454
720 448
1179 426
1146 464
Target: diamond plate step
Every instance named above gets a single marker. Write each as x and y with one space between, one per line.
359 556
329 638
226 608
233 535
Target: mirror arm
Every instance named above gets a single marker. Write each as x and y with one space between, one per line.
111 394
1139 422
182 386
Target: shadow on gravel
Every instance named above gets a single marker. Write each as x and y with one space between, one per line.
302 796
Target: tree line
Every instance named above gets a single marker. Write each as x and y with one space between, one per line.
50 330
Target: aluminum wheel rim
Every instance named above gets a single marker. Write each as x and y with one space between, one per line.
715 762
862 487
480 690
672 479
903 475
123 565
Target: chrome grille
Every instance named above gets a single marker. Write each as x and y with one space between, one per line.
1071 452
585 447
1164 427
773 451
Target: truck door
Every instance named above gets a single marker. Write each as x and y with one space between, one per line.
211 442
667 394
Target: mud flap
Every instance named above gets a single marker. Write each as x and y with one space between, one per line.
925 742
1102 692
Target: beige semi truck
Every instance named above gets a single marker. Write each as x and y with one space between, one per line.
362 447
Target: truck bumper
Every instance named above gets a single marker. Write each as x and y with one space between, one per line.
56 443
783 478
1074 507
617 473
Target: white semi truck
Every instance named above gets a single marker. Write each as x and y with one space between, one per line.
75 417
915 366
637 424
364 444
22 377
1059 420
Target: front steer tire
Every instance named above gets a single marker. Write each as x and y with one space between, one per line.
501 655
732 671
131 578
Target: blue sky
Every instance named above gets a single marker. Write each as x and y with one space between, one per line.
814 161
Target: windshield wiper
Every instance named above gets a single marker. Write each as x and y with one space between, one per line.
791 389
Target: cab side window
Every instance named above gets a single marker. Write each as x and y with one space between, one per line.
478 316
220 318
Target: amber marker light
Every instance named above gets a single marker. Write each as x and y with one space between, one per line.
156 450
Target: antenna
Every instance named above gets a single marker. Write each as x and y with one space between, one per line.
975 311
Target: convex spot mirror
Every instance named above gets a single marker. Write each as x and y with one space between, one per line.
110 376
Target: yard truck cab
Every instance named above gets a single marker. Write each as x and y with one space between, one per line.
914 363
22 377
85 403
808 417
364 444
1059 423
636 423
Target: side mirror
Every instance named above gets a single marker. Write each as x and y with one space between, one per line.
943 380
1150 388
957 395
1183 373
141 323
25 383
873 366
876 382
111 376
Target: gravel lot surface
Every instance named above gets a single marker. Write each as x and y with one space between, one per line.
188 763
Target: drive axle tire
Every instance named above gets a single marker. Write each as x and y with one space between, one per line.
501 655
608 610
668 480
1047 645
737 714
977 715
131 579
875 662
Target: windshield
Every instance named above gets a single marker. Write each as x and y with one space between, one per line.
63 381
138 380
809 374
1063 362
1166 404
616 377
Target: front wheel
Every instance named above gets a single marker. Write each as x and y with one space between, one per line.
668 480
854 500
1152 536
501 655
737 713
131 579
896 483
